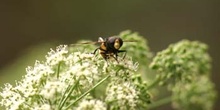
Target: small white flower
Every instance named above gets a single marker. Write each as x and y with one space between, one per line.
129 64
34 78
11 98
42 107
55 57
52 88
85 75
82 67
123 94
91 105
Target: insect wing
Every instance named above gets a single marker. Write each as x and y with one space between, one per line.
80 43
101 40
130 40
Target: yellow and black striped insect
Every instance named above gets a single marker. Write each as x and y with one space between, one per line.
110 47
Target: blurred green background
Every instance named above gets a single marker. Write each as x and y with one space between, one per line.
28 28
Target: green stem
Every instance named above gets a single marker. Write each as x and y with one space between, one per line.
58 70
85 93
160 102
63 100
153 84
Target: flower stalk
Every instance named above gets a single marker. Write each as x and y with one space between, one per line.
160 102
84 94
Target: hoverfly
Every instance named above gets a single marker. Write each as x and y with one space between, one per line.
110 47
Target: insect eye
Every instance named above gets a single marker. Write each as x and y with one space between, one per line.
114 42
117 44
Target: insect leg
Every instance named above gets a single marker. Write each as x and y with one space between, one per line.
95 50
115 57
120 51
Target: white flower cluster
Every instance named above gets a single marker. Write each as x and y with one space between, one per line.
91 105
123 95
10 98
55 57
82 67
40 86
123 69
47 85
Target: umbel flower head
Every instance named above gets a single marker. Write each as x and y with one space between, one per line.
185 68
182 61
72 78
198 95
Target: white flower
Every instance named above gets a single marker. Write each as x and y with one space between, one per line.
129 64
55 57
52 88
34 78
82 67
42 107
91 105
123 94
11 98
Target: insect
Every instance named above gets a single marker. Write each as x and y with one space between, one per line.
110 47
